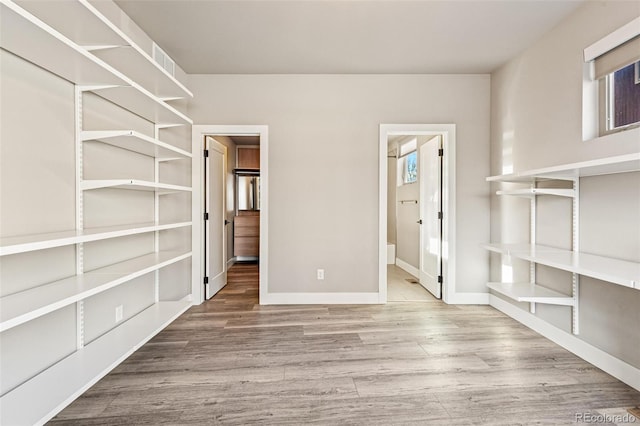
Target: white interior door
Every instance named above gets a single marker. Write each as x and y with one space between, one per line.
430 170
214 227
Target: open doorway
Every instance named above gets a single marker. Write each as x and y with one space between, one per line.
414 218
417 212
230 214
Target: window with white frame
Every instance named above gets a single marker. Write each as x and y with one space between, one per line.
622 98
408 162
615 62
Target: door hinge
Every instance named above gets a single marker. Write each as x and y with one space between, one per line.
441 152
206 216
440 215
206 153
206 280
440 279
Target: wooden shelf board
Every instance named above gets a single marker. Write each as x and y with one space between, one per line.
27 243
532 192
621 272
527 292
136 142
27 305
26 36
132 184
39 399
603 166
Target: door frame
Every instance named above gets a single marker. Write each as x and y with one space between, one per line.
448 132
198 132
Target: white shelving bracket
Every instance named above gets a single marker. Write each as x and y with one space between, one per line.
97 87
94 48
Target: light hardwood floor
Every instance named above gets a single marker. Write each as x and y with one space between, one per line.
232 361
401 289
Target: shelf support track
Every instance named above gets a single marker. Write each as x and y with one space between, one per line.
156 218
575 309
79 209
532 239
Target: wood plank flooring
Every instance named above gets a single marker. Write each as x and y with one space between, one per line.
232 361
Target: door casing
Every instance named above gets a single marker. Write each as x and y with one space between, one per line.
448 132
198 133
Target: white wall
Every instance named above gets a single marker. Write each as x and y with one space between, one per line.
323 165
407 228
536 121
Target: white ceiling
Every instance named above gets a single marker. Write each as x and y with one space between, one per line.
344 37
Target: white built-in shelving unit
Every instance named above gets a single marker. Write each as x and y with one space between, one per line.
75 41
81 370
615 271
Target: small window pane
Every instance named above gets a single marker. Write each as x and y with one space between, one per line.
411 168
626 96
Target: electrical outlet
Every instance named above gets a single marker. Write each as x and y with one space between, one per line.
321 274
119 313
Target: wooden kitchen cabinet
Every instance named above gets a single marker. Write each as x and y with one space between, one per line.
246 235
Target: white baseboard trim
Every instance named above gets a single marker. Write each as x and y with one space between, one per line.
608 363
468 299
231 262
408 268
320 299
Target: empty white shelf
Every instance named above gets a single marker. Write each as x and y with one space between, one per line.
134 184
518 248
616 271
28 37
137 142
140 101
86 26
74 20
603 166
26 243
39 399
142 69
27 305
527 292
532 192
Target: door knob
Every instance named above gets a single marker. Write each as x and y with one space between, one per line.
226 222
